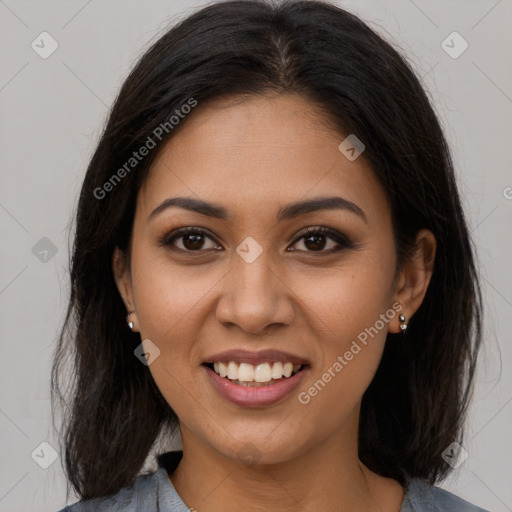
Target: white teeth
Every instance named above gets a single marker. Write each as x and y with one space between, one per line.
264 372
223 369
287 369
246 372
277 370
232 370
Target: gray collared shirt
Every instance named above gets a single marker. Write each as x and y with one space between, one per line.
155 493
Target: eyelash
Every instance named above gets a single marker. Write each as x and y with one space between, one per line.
341 240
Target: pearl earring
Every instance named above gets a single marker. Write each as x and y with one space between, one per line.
130 323
403 325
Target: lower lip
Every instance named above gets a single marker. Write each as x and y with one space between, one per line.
253 396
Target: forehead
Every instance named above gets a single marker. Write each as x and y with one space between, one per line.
254 154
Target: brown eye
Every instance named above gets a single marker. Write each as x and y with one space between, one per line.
316 240
192 240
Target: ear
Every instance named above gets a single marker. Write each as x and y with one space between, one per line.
122 276
414 277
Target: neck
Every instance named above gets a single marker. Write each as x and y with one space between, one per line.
328 476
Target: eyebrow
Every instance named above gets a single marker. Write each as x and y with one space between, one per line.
287 212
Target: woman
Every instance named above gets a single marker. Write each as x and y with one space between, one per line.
271 255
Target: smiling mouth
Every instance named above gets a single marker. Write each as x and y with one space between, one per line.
261 375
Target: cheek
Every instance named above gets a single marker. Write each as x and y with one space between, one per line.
171 301
348 359
350 311
341 302
168 296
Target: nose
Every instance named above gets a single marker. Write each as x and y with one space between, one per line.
254 296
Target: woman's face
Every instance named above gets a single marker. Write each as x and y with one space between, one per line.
254 283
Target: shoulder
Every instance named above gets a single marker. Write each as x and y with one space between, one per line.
422 496
148 492
141 495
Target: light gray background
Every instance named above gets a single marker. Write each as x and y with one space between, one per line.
52 113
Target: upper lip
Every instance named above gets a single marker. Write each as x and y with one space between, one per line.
263 356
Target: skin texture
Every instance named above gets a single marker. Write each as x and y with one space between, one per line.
252 156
